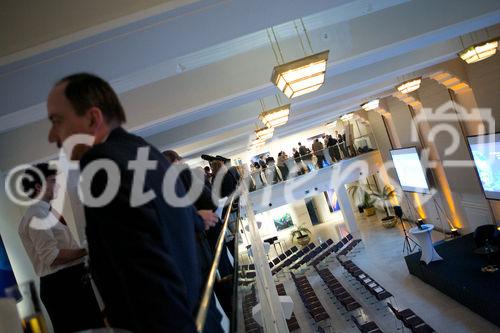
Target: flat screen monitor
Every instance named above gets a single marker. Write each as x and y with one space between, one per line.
409 169
485 151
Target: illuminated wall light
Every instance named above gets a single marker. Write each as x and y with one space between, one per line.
419 207
301 76
479 52
409 86
275 117
446 190
371 105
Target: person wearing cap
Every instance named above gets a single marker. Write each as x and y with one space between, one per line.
57 258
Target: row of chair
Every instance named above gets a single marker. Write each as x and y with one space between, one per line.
310 254
411 320
249 301
310 299
368 327
278 264
292 323
344 246
336 288
368 282
346 300
348 244
275 264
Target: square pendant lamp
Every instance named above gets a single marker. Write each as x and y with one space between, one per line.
371 105
264 133
275 117
410 85
479 52
301 76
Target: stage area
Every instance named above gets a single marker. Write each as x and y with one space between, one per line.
459 276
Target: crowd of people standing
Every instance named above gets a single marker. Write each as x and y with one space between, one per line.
267 171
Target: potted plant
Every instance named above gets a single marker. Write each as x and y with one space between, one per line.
384 197
368 204
363 199
302 235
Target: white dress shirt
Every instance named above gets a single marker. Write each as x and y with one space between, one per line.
43 236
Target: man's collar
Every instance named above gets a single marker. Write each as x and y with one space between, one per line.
43 204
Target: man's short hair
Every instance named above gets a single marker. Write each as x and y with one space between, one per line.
32 177
85 91
172 156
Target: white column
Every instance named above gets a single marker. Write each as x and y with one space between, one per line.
272 313
346 208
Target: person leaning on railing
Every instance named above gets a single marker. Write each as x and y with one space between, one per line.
282 165
205 207
230 177
142 257
317 147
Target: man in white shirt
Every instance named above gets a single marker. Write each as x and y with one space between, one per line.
65 289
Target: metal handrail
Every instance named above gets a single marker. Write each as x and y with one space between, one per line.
201 316
233 322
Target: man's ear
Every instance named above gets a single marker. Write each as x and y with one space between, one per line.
95 117
38 189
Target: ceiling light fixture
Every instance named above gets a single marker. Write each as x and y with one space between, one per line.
264 133
331 124
257 143
347 117
275 117
410 85
301 76
371 105
479 52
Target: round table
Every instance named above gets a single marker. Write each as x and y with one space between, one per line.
423 237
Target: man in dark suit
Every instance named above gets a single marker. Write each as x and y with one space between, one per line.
142 256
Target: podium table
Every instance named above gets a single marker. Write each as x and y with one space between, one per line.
423 237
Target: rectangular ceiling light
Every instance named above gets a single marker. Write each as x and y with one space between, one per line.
347 117
257 143
264 133
275 117
301 76
371 105
331 124
479 52
409 86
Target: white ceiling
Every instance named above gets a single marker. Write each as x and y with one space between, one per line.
190 77
41 22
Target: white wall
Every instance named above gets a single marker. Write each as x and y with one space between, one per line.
484 79
468 199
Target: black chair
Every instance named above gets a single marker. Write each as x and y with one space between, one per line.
485 232
366 327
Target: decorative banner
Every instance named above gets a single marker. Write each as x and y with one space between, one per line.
7 278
